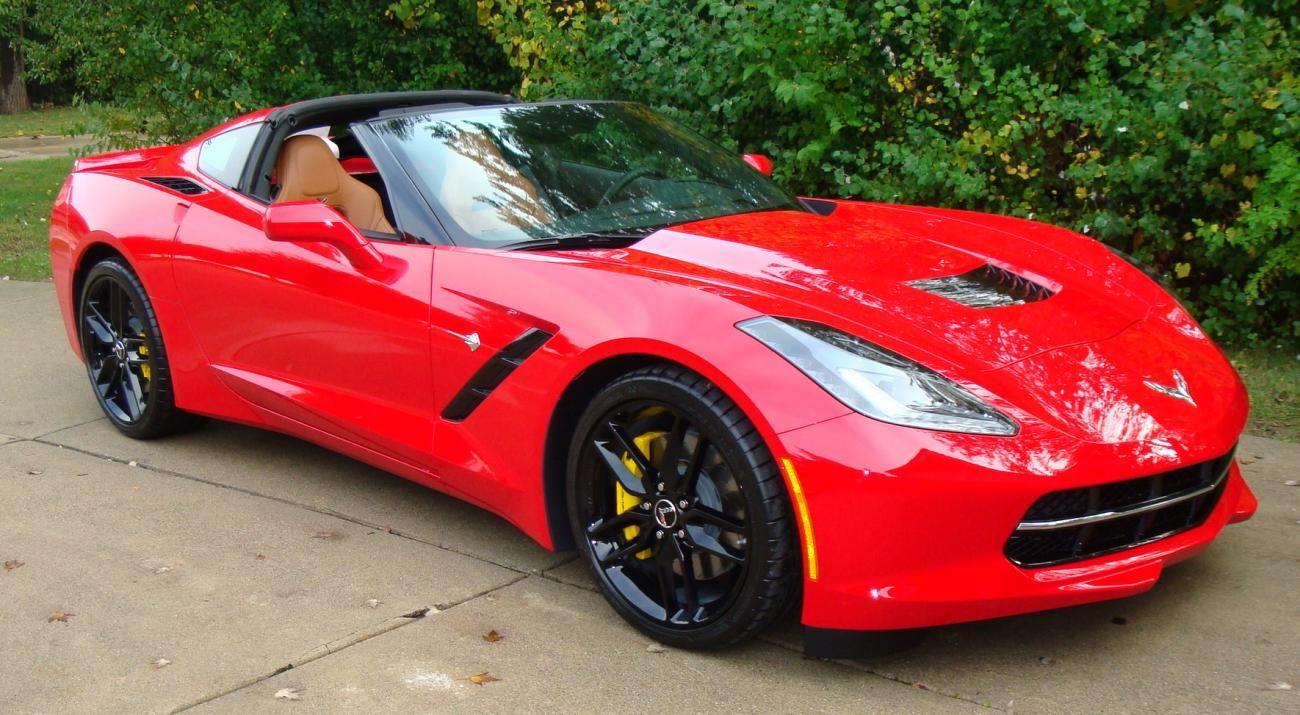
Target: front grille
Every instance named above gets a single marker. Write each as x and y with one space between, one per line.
1076 524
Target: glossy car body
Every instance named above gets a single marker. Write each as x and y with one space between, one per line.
901 527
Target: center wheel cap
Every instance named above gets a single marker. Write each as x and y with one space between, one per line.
119 350
666 514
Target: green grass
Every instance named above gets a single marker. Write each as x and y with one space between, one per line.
1273 379
29 189
42 121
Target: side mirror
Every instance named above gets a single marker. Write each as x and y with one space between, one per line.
759 163
313 221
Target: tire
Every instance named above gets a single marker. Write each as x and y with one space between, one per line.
706 554
126 360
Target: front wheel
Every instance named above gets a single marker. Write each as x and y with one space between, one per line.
679 510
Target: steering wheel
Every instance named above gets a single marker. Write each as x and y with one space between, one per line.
621 183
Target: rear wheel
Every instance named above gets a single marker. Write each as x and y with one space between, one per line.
680 512
124 353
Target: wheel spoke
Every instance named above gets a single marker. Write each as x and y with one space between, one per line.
693 469
626 445
615 465
621 521
99 327
692 594
668 553
105 376
676 442
706 543
636 545
117 309
700 514
134 396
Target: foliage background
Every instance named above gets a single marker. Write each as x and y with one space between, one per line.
1168 129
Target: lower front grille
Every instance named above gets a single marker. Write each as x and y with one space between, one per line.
1076 524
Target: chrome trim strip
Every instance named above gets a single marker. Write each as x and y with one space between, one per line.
1140 508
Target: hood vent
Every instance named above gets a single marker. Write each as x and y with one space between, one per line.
175 183
985 287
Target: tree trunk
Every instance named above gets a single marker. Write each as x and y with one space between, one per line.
13 83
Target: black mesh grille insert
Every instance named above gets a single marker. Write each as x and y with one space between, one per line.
1109 517
985 287
175 183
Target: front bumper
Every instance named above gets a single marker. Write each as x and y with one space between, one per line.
909 526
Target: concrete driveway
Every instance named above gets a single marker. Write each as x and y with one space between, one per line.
232 570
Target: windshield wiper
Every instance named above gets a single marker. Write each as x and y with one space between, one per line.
587 239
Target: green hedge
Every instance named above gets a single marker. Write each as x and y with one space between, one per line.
1170 129
173 68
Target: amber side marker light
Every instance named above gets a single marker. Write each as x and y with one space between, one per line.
805 522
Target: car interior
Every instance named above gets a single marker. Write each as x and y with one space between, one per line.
306 168
314 154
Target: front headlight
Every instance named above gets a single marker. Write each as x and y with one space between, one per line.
876 382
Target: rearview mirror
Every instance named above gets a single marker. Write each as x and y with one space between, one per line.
759 163
313 221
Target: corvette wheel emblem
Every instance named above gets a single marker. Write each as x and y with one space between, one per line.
665 514
1178 390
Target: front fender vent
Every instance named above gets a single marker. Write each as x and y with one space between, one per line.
176 183
985 287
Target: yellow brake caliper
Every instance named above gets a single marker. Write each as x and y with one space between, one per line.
143 351
625 500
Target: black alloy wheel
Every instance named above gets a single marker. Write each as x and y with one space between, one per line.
124 353
680 512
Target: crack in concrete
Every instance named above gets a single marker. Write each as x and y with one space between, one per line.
325 650
336 645
325 511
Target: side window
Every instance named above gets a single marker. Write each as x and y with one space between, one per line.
223 157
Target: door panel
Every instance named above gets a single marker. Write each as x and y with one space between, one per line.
295 329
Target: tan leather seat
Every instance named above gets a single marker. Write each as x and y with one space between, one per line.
307 169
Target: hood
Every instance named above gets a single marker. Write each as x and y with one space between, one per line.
895 275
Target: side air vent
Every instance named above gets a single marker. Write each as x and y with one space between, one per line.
985 287
177 184
493 373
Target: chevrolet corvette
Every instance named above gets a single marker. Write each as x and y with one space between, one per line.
623 339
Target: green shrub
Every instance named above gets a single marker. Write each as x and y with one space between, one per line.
173 68
1170 130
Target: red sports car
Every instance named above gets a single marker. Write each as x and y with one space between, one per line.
627 341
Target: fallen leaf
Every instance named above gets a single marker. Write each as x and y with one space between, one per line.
655 648
1292 483
161 663
492 636
373 603
482 678
60 616
35 472
12 564
259 557
288 694
1280 685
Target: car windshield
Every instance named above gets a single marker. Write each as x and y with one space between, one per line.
528 174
